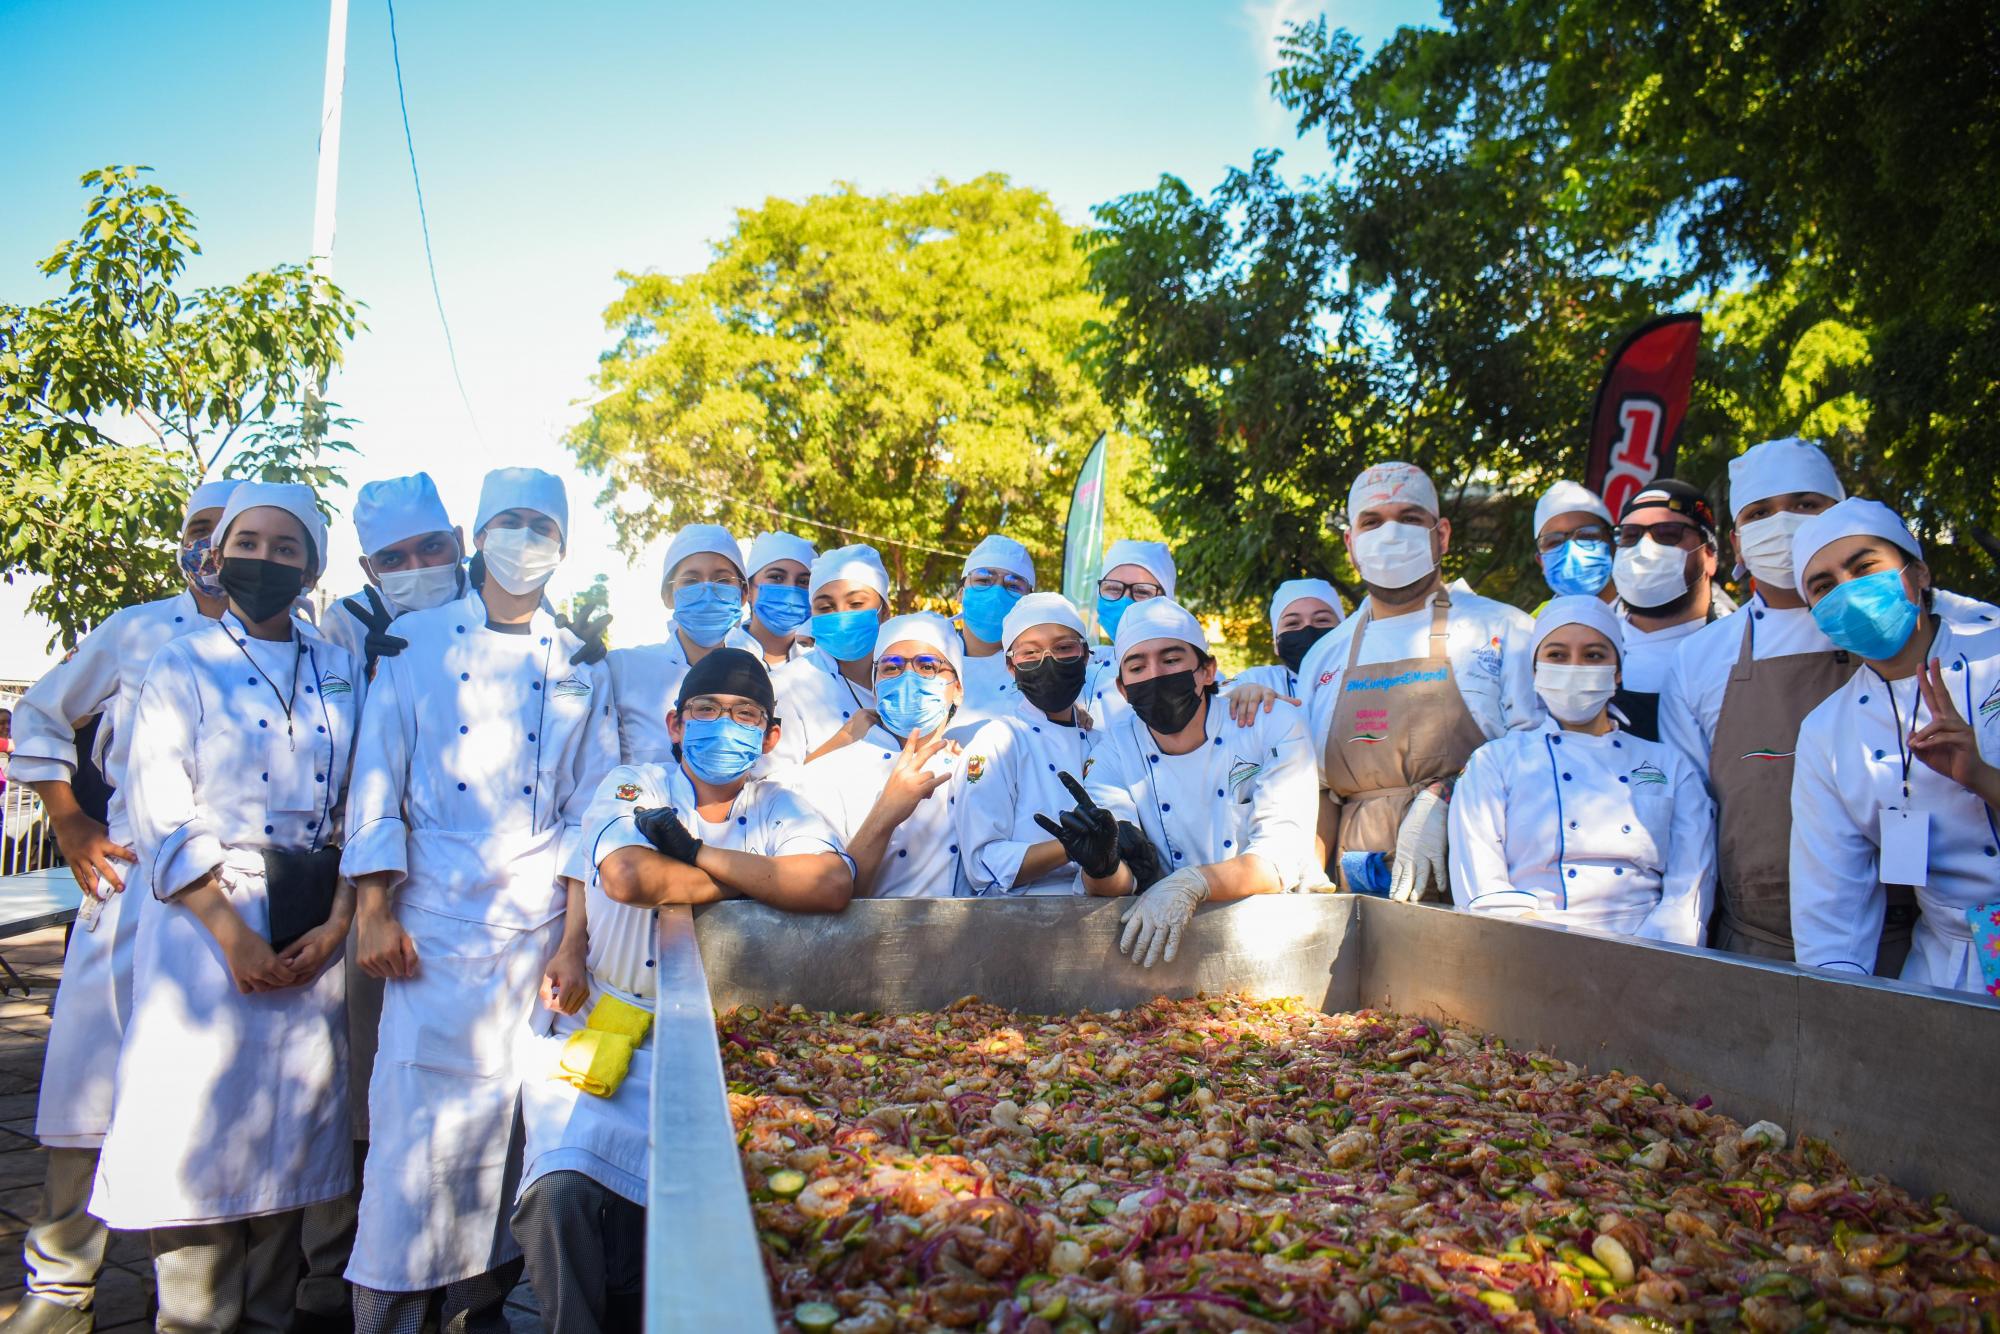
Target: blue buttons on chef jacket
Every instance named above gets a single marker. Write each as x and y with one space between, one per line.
1218 792
1878 754
465 676
844 713
461 787
1152 759
269 829
545 639
744 819
1993 852
1566 777
319 778
1572 824
1225 843
1616 744
1757 615
179 619
266 777
461 629
463 729
902 852
263 722
526 789
954 848
1558 740
1038 729
1864 699
1177 856
250 681
1623 778
322 727
309 690
1618 870
1052 768
534 685
531 736
1626 828
1166 806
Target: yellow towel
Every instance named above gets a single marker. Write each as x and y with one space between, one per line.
596 1061
612 1015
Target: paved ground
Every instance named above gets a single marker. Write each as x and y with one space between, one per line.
125 1288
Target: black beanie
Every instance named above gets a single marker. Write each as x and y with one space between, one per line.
729 671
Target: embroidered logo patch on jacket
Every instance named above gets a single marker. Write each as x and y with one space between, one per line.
571 687
1648 774
628 792
330 686
1243 771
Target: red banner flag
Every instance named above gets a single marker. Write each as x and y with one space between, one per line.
1640 405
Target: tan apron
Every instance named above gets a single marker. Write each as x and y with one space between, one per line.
1389 736
1750 771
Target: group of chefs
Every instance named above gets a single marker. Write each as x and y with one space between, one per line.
355 1025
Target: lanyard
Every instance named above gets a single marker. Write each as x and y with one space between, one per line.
285 701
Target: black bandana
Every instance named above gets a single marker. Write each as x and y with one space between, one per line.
729 671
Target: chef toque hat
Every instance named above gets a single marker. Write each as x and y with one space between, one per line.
1038 609
209 496
1294 589
396 509
1853 517
1780 467
996 552
857 564
1390 484
926 627
1152 557
294 498
1156 618
1579 609
1567 497
768 547
523 489
699 538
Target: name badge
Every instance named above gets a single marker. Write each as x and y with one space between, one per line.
1906 846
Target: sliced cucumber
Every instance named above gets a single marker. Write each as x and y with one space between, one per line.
815 1317
786 1183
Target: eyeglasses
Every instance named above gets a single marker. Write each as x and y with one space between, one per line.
924 665
1066 652
1669 533
1595 534
702 709
688 581
1007 579
1114 589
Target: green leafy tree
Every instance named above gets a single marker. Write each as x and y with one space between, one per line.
897 365
123 392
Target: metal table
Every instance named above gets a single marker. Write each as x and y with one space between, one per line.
1903 1081
31 901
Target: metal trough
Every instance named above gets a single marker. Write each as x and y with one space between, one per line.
1903 1081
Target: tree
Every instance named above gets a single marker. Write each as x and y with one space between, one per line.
119 395
896 365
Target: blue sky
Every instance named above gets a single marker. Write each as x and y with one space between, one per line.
561 143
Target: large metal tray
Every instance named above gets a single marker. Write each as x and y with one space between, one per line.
1903 1081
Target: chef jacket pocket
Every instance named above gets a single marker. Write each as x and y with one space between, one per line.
463 1007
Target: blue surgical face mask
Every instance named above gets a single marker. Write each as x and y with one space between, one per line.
782 608
720 750
1110 611
911 704
1578 569
707 611
985 610
1871 617
848 635
192 557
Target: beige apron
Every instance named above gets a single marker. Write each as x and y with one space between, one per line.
1396 726
1750 771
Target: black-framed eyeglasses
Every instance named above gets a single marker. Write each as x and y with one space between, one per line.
1595 534
1007 579
1113 589
702 709
1667 532
1066 652
926 665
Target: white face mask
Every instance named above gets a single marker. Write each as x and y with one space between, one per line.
1650 575
420 590
1395 555
1766 547
1575 693
521 559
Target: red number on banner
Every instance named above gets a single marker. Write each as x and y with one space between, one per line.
1636 459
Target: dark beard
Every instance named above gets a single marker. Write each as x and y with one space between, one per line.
1668 610
1409 592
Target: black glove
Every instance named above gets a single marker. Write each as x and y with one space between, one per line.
1137 851
1088 832
379 643
664 830
591 632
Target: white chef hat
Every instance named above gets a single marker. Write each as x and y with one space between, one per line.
996 552
1779 467
1391 484
1853 517
523 489
396 509
857 564
1567 497
926 627
1293 589
768 547
294 498
1152 557
699 538
209 496
1579 609
1156 618
1038 609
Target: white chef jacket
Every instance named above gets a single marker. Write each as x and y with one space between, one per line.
1251 789
1491 646
814 702
989 687
1272 675
475 764
646 682
341 626
921 860
199 1133
1008 773
1613 832
1849 772
1646 656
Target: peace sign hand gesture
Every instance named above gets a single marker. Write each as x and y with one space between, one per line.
1948 743
376 618
591 631
910 780
1088 832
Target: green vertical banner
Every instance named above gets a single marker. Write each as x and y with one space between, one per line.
1083 535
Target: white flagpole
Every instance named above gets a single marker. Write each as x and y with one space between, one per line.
329 139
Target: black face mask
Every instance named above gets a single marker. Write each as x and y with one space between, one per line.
261 589
1052 685
1294 644
1165 703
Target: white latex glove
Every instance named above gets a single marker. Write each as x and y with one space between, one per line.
1153 923
1420 849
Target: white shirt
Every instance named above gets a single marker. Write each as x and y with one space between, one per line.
1245 790
1007 774
1849 771
1273 675
100 679
476 760
1613 832
989 687
646 682
921 860
1646 656
1492 662
766 819
814 702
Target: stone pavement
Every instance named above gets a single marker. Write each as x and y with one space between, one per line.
125 1286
